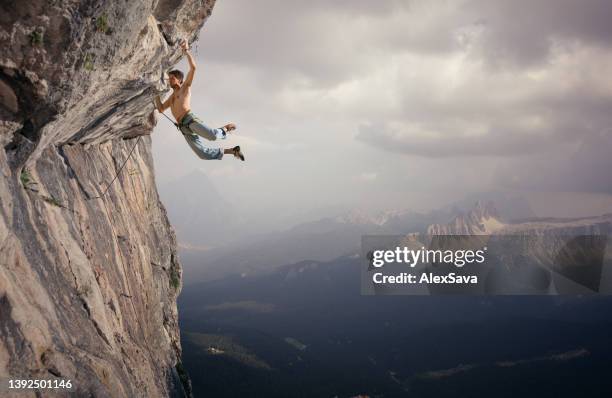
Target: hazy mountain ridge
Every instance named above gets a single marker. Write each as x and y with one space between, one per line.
482 219
391 345
320 240
330 237
485 219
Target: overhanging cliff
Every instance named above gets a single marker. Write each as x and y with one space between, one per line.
88 285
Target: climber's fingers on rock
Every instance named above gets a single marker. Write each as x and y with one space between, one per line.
184 44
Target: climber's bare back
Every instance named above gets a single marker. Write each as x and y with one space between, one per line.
181 102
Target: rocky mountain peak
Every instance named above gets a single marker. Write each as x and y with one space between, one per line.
483 218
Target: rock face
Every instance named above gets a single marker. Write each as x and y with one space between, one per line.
88 284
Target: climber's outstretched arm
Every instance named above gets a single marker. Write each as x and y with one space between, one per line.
192 64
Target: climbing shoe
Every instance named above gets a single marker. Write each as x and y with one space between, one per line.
237 153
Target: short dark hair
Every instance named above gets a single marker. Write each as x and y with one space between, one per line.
177 73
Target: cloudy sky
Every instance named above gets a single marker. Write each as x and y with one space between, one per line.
401 104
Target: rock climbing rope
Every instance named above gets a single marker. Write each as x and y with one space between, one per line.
131 151
118 172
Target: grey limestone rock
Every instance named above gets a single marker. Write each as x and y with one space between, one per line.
88 285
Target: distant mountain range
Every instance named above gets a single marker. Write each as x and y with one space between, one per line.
485 219
320 240
530 256
203 219
303 329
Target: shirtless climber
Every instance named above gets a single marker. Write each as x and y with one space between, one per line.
192 127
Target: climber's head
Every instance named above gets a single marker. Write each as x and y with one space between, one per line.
175 78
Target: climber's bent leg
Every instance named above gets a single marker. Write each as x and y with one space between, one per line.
203 152
196 126
204 131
